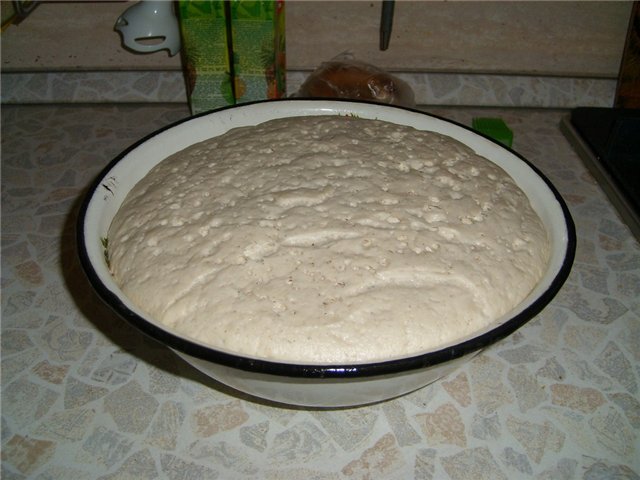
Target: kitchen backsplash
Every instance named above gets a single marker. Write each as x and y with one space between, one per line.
452 53
429 88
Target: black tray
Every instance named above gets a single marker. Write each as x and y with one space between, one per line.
608 141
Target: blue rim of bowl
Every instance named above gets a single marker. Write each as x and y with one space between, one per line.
310 371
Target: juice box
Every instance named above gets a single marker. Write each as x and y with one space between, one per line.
258 44
205 54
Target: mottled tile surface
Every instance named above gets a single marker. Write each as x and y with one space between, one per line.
86 396
473 89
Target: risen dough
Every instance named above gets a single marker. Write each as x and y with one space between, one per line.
327 239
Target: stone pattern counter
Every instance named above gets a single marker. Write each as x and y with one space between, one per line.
85 396
443 89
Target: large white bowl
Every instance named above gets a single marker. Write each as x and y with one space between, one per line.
312 384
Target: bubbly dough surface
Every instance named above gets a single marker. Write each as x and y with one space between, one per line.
327 239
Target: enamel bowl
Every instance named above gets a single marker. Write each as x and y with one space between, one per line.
311 384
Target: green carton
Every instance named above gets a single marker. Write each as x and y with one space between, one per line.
205 56
233 51
257 29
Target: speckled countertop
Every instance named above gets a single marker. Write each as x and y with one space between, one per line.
85 396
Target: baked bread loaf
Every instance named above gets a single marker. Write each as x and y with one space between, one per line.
327 239
356 81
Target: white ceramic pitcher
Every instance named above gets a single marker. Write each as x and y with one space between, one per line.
150 26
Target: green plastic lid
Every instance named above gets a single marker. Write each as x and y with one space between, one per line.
494 128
